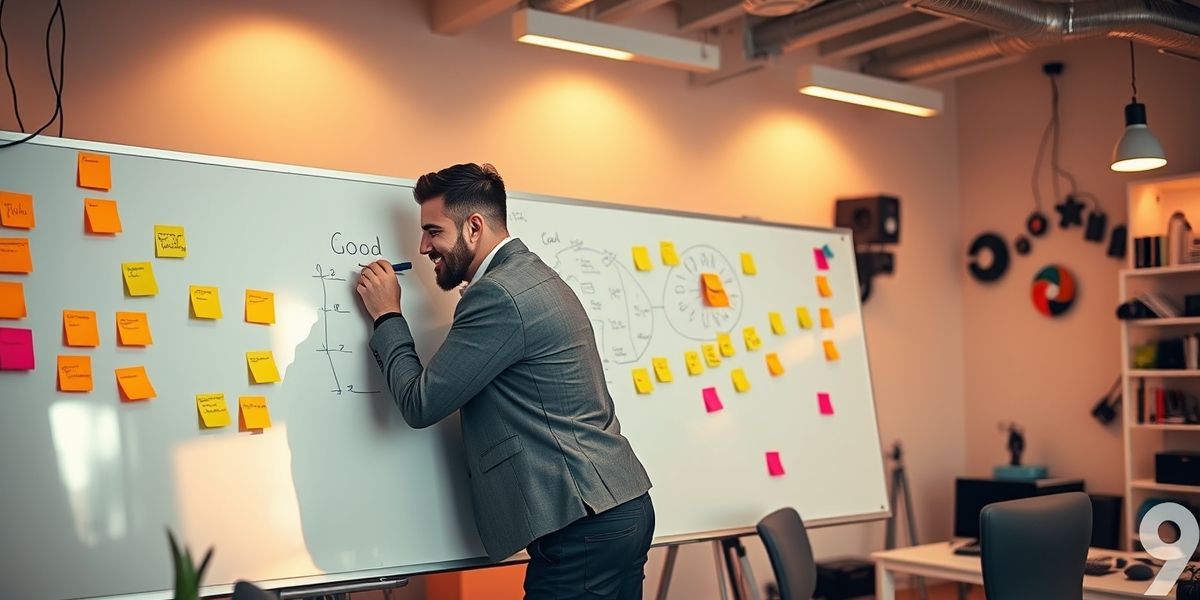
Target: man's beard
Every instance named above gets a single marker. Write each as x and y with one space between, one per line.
454 265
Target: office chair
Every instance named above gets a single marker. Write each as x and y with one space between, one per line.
244 590
1035 548
786 540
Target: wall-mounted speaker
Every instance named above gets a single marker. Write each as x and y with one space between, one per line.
873 219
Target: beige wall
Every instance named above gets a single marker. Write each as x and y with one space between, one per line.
1047 374
364 86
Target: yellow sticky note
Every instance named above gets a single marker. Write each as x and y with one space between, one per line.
12 300
823 286
692 359
14 256
750 335
773 365
803 317
74 373
94 171
134 384
831 353
740 383
641 258
260 307
213 411
170 242
641 381
139 279
776 320
669 256
262 366
254 413
711 356
826 319
725 343
80 329
662 369
16 210
714 291
101 216
206 301
748 264
133 329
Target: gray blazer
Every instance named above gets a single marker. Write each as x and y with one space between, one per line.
541 435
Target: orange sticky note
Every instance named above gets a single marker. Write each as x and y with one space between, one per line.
826 319
711 356
262 366
14 256
134 384
254 413
692 359
714 291
669 256
133 329
641 381
774 367
74 373
803 317
740 382
823 286
213 411
139 279
260 307
750 335
94 171
831 353
80 329
641 258
776 320
100 216
725 344
662 369
748 264
12 300
16 210
206 301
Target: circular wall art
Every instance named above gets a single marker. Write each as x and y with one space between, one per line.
1053 290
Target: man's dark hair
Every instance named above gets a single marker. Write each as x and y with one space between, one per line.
466 189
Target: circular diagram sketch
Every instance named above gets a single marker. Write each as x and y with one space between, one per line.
683 298
619 308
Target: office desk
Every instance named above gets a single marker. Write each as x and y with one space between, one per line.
940 562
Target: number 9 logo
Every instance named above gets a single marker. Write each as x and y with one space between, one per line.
1176 554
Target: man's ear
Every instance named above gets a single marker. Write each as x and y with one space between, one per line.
473 227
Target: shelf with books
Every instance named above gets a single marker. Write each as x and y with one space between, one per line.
1186 269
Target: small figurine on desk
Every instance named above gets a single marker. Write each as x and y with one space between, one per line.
1016 443
1016 446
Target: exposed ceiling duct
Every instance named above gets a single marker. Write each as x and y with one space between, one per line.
776 8
558 6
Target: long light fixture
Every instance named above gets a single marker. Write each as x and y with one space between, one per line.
612 41
864 90
1138 149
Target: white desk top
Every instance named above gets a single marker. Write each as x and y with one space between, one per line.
939 560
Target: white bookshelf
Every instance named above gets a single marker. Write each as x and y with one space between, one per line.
1150 484
1176 322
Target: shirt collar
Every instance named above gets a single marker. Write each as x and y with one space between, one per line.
487 261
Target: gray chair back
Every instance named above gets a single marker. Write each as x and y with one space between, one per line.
244 590
786 540
1035 548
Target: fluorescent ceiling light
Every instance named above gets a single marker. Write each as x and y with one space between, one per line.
856 88
611 41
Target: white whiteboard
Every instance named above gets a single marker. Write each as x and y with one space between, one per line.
340 488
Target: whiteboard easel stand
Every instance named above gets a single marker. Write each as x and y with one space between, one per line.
729 555
364 585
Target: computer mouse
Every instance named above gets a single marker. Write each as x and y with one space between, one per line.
1139 572
1120 563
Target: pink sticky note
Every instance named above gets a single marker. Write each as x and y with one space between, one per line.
819 256
824 403
712 402
16 349
774 465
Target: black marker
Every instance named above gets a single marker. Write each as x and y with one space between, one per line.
399 268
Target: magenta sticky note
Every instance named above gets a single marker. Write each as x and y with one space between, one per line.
712 402
819 256
16 349
774 465
824 404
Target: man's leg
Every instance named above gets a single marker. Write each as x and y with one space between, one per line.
598 556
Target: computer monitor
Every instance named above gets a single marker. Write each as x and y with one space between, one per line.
971 495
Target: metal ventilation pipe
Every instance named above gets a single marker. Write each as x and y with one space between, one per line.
558 6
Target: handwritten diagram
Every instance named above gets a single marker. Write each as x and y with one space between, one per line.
620 310
335 310
683 301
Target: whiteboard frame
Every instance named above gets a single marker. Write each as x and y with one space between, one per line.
400 573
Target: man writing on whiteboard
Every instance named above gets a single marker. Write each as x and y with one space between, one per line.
548 466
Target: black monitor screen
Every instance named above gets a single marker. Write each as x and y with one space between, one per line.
971 495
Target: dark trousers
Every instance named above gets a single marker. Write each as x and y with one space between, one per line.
598 556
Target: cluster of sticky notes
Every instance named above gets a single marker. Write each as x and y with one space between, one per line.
80 328
213 411
262 366
74 373
774 464
205 301
16 210
15 256
254 414
260 307
170 241
641 381
750 336
101 216
16 349
139 279
94 171
134 384
662 369
824 404
714 291
12 300
133 329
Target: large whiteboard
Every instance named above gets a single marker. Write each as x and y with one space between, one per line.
340 488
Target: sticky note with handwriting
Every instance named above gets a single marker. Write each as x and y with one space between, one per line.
80 328
260 307
254 413
750 335
213 410
134 384
641 258
170 241
14 255
641 381
662 369
262 366
206 301
16 349
139 279
692 359
712 357
101 216
669 256
93 171
12 300
16 210
133 329
725 343
714 291
74 373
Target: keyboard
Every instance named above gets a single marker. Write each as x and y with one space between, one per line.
969 549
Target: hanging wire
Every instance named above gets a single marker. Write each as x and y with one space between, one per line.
1132 72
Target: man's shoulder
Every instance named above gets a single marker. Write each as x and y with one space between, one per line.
519 273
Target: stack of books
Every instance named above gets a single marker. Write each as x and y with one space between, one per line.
1154 251
1158 405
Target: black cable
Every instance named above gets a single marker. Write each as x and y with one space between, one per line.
1132 72
1054 119
1037 169
58 13
8 71
62 52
